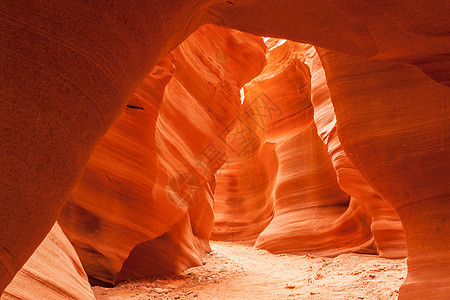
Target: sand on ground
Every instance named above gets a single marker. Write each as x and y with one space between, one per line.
234 271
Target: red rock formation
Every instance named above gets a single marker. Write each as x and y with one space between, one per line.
199 109
146 188
111 210
386 227
414 33
311 213
170 253
398 139
243 206
53 272
245 185
69 67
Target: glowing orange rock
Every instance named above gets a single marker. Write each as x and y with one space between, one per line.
146 189
69 67
243 206
53 272
413 33
386 227
199 109
110 211
394 123
311 213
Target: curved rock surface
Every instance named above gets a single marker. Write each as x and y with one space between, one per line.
111 210
147 188
311 213
413 33
399 141
72 66
69 67
53 272
386 226
243 203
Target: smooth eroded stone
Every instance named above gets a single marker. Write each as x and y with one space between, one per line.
53 272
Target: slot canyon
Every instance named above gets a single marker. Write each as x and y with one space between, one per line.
145 140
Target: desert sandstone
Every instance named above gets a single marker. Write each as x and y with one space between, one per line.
124 122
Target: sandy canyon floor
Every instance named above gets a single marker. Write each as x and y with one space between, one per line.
234 271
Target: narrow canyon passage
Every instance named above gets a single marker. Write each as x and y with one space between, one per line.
234 271
305 143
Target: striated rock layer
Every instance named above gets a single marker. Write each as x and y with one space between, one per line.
68 68
311 213
237 194
199 107
399 140
110 211
243 206
144 204
53 272
386 226
412 33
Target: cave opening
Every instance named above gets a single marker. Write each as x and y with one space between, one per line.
235 136
306 162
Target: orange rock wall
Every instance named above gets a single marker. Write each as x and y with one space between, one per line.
72 66
398 140
386 226
147 188
68 68
401 31
311 213
243 203
111 210
53 272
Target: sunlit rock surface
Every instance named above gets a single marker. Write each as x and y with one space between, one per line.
401 31
53 272
69 68
243 204
111 210
399 140
311 213
386 226
148 186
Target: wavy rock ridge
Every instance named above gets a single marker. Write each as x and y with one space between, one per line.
143 206
53 272
68 69
311 213
385 225
395 140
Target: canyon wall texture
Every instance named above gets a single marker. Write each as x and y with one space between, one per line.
386 226
72 66
401 31
398 140
69 68
143 206
110 210
53 272
243 204
311 213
